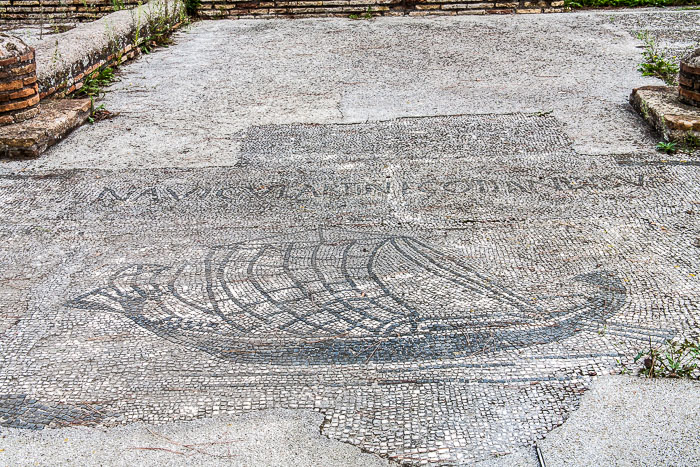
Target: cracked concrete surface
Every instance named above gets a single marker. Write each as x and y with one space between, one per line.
269 438
622 421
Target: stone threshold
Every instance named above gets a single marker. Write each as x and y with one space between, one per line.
663 110
30 138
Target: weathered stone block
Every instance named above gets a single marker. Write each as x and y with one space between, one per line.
663 110
30 138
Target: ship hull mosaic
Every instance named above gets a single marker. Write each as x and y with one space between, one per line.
342 297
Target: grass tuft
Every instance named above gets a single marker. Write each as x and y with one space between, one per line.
93 84
667 147
674 359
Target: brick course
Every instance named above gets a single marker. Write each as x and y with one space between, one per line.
689 79
344 8
19 93
57 11
79 10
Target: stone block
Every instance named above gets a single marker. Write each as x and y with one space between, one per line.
662 109
32 137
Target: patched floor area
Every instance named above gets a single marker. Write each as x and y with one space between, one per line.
269 438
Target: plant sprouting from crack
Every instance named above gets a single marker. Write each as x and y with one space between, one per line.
56 54
656 63
158 25
674 359
688 143
366 15
93 88
667 147
112 38
137 22
95 82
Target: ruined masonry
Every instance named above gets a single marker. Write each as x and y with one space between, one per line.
19 93
60 11
689 79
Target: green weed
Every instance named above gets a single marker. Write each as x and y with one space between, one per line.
366 15
673 360
159 29
94 111
667 147
93 84
655 61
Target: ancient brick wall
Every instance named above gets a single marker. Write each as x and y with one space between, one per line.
19 94
689 79
59 11
345 8
65 60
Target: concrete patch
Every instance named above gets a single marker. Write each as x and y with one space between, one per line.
267 438
630 421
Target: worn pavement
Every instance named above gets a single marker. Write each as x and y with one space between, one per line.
425 239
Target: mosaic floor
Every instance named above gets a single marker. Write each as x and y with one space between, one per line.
441 289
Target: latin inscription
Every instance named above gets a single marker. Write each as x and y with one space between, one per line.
454 187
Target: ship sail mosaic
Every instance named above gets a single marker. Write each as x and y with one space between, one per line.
341 297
